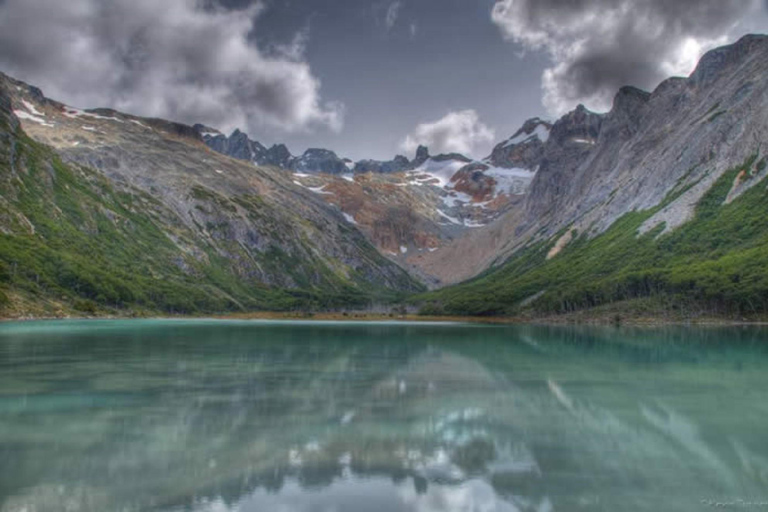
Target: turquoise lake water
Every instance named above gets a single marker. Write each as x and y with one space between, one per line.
225 416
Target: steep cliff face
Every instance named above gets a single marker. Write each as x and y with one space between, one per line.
679 139
254 230
620 197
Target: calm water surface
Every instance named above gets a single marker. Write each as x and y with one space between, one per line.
205 416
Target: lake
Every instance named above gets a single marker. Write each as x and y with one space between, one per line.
224 416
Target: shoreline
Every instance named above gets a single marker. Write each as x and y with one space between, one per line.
596 321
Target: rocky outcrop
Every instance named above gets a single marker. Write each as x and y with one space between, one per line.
318 160
422 155
524 149
398 164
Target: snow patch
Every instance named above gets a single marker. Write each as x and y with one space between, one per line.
316 190
584 141
513 181
88 128
219 171
452 220
456 199
72 113
348 177
403 249
541 132
432 170
22 114
32 109
301 175
349 218
134 121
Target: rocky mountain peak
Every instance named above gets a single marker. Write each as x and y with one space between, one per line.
422 155
278 155
525 148
629 97
319 160
717 61
629 105
580 125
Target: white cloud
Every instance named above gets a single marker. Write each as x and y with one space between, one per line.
392 13
457 132
597 46
174 59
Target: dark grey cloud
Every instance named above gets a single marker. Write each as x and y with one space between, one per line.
188 60
597 46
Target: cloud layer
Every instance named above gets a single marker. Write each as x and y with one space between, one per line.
177 59
597 46
457 132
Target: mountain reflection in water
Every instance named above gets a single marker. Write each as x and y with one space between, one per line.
252 416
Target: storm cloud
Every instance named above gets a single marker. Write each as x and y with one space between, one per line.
597 46
178 59
457 132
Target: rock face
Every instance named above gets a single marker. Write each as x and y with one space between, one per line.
674 142
422 155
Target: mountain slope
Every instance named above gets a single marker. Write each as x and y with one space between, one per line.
108 210
661 199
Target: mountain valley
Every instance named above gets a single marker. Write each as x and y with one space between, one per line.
660 201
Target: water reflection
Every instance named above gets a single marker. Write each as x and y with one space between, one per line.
236 416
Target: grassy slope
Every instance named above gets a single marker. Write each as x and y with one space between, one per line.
716 264
98 249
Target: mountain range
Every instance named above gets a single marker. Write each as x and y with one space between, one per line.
657 206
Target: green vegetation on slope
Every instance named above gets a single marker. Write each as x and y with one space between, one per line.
715 264
70 241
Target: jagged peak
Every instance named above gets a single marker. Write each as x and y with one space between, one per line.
279 147
422 155
534 126
628 99
672 83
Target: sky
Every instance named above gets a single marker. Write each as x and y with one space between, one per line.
365 78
